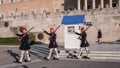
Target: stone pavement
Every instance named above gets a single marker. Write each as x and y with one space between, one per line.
101 52
9 55
97 51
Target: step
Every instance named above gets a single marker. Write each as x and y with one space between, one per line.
96 54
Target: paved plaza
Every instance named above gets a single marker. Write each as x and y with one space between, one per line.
102 55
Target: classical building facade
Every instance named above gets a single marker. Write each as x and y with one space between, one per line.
26 7
90 4
104 14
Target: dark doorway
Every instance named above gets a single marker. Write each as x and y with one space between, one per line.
70 4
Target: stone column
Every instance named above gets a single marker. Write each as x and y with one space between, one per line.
79 5
119 2
110 3
93 2
102 4
85 4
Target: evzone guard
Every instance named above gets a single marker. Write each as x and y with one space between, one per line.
84 43
24 46
53 44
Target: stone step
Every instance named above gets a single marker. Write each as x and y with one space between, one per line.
43 51
96 54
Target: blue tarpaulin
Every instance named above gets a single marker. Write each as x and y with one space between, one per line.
75 19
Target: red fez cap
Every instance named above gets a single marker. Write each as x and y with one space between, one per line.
24 28
51 28
82 28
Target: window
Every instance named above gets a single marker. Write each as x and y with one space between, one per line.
71 29
11 14
33 12
21 14
11 1
2 15
44 11
57 10
1 1
21 0
65 1
89 6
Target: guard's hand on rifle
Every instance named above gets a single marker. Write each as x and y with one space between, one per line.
44 30
73 31
79 38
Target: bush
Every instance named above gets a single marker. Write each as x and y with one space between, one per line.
9 41
14 40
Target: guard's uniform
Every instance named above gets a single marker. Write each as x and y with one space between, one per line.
24 42
24 47
52 38
84 43
83 36
53 44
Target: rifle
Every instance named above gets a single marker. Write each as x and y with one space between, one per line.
87 28
54 30
84 31
26 33
57 28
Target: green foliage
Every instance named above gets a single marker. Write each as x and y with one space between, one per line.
14 40
9 41
31 39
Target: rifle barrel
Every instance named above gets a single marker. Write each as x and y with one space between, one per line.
26 33
57 28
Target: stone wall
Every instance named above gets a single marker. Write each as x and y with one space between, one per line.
109 25
30 5
106 20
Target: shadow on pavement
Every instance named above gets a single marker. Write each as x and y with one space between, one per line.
44 67
13 54
41 51
24 66
110 42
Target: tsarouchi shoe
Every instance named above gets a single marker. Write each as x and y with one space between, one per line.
45 58
76 57
56 58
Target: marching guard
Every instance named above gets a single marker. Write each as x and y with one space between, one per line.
53 44
84 44
24 47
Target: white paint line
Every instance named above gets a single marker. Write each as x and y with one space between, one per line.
8 46
17 64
